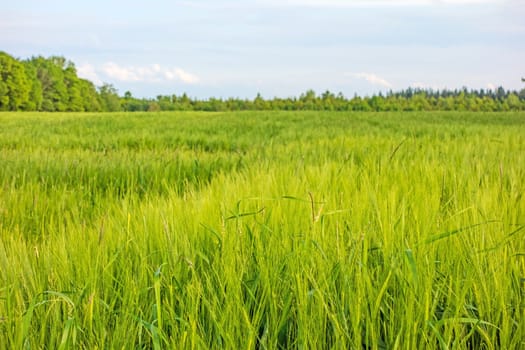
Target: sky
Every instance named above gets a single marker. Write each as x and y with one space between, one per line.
234 48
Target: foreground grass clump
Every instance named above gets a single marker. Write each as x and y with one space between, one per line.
262 230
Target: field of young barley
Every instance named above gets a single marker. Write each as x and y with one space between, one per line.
262 230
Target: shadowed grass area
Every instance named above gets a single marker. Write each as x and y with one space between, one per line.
262 230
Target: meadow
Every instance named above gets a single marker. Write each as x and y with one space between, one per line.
262 230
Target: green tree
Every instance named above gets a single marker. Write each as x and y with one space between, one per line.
185 102
90 98
34 103
308 100
153 106
328 100
109 98
50 73
377 103
14 84
513 101
359 104
72 81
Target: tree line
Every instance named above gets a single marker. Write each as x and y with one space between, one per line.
52 84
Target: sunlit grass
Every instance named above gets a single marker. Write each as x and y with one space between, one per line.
262 230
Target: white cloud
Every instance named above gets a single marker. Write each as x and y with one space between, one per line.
152 73
87 71
117 72
185 76
372 79
491 86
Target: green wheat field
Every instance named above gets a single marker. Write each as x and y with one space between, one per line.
262 230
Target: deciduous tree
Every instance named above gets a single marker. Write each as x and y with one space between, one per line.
14 84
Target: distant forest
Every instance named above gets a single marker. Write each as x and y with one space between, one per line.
52 85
